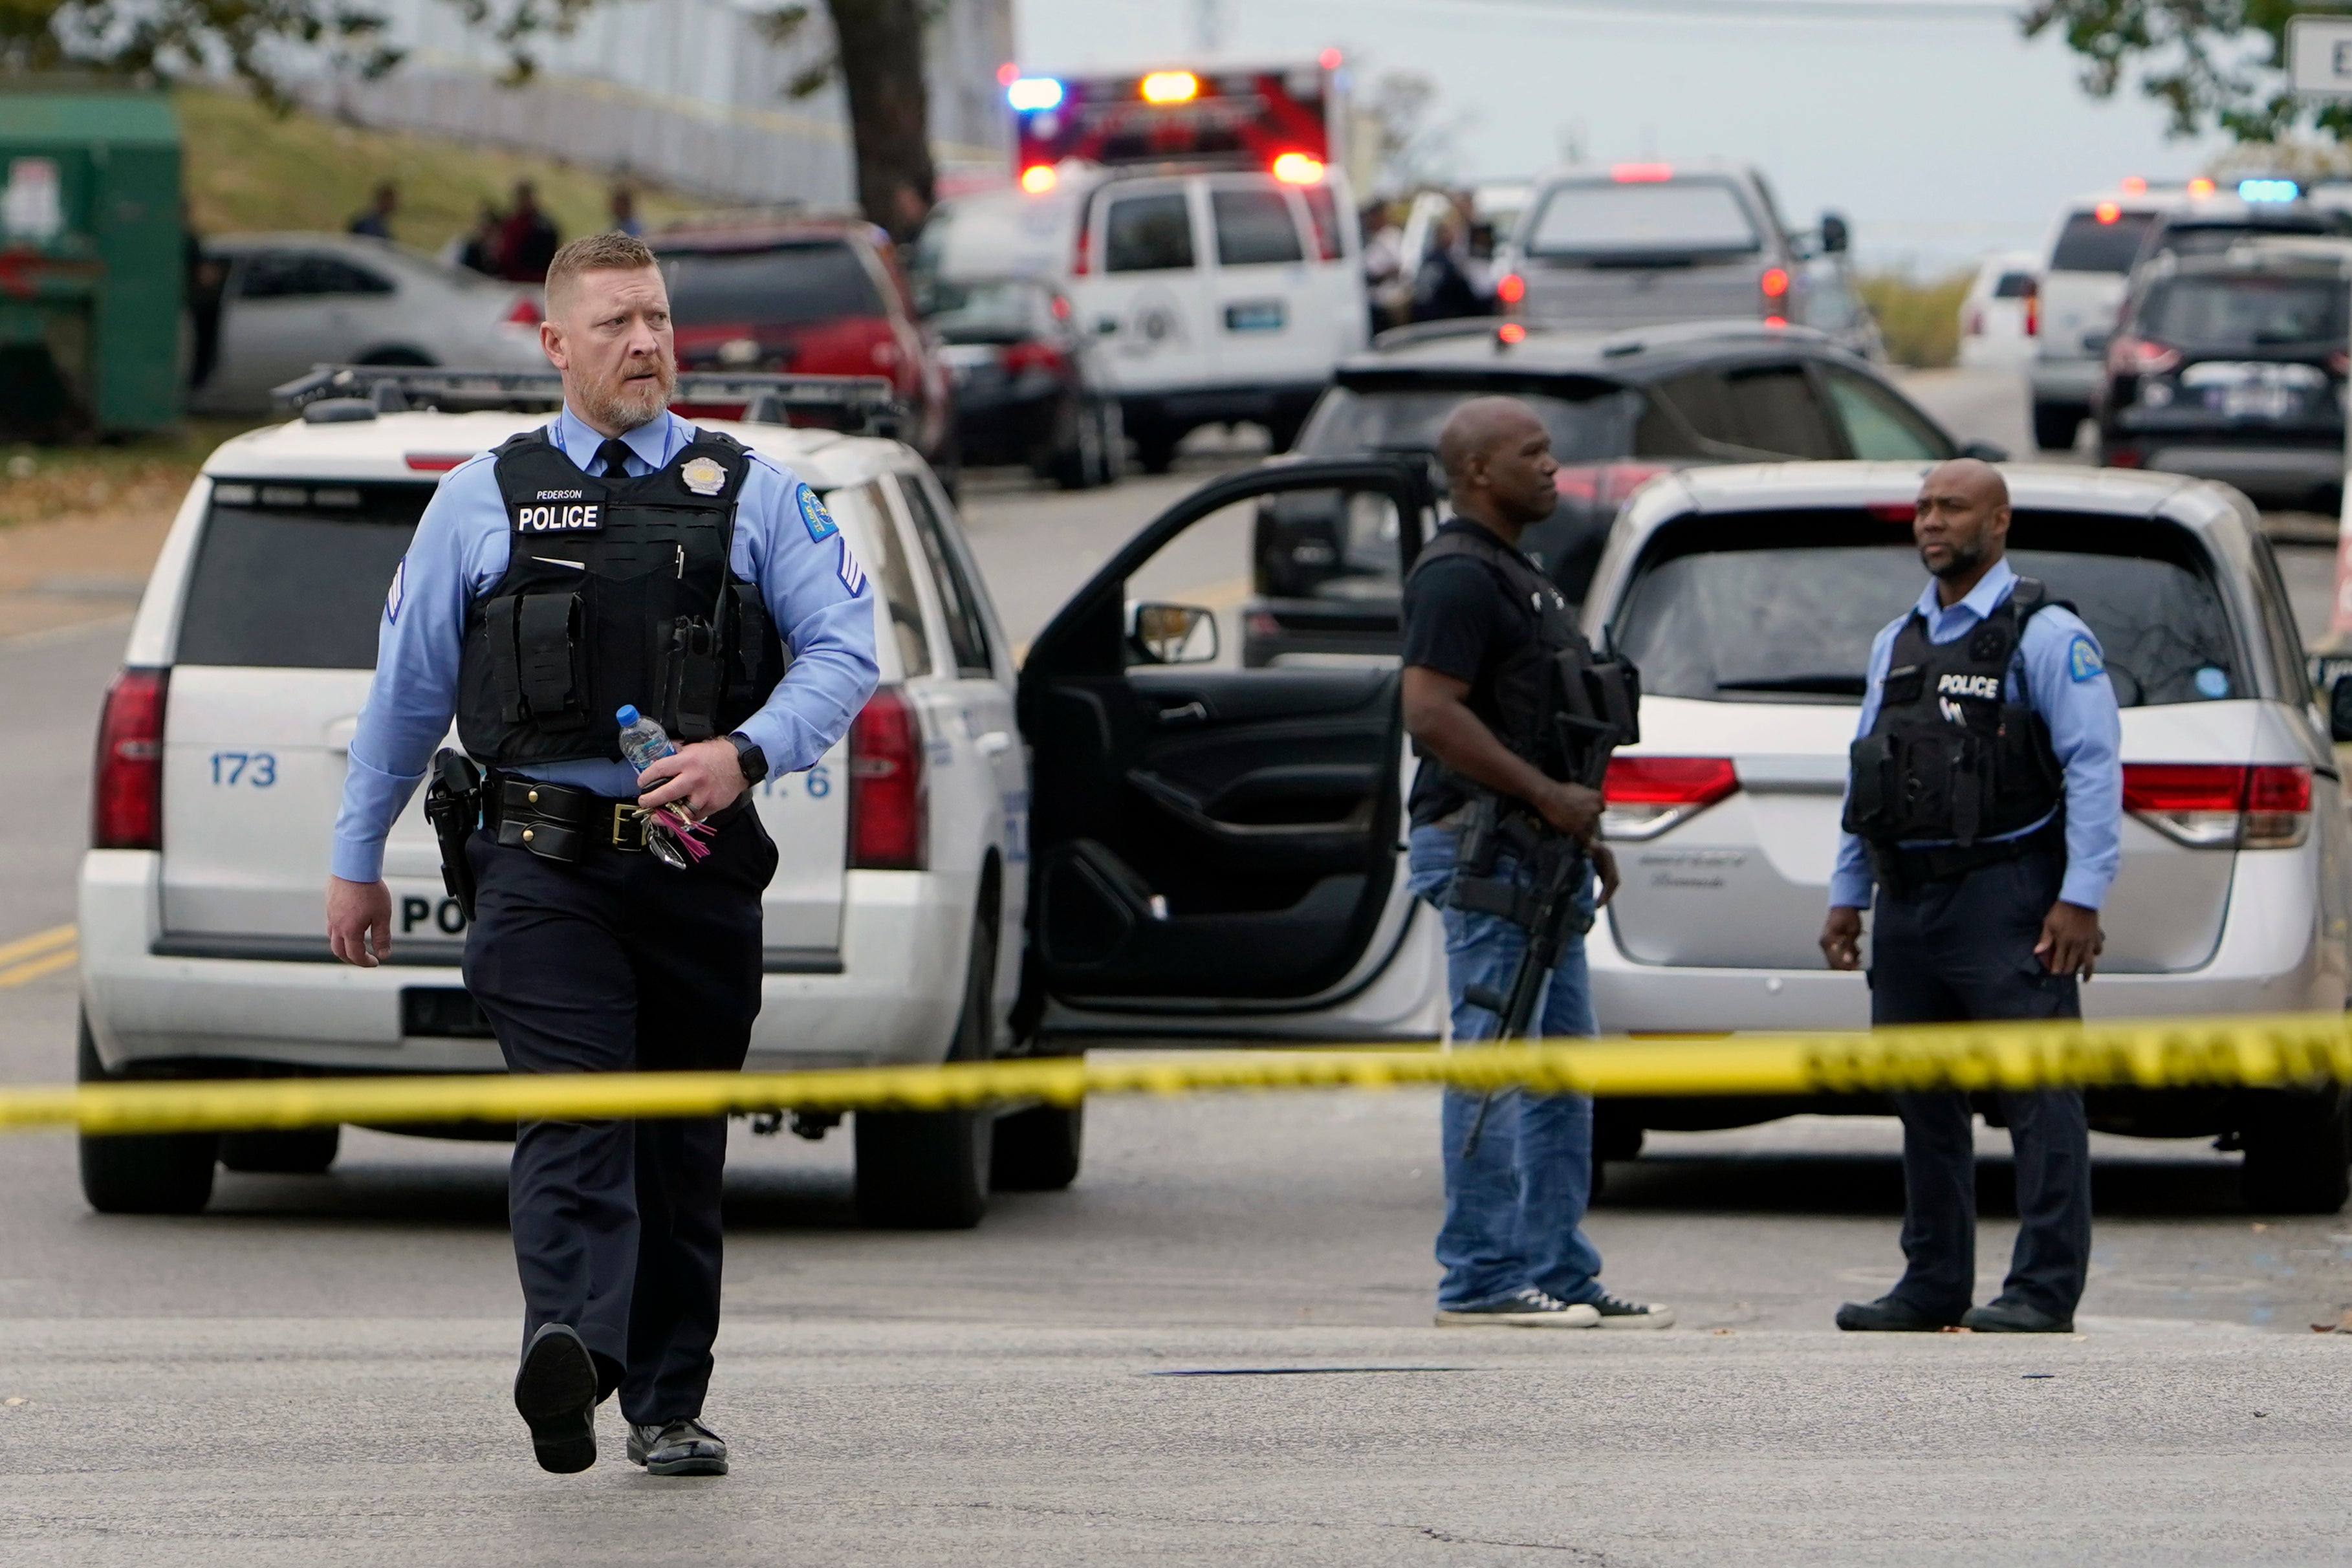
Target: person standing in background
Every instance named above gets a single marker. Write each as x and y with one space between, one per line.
375 222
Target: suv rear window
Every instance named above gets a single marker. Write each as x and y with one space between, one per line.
822 280
293 576
2213 238
2244 313
1645 218
1718 614
1349 421
2086 245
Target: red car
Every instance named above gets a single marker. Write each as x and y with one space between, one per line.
810 296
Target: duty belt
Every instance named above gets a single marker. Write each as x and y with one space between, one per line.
1905 871
566 825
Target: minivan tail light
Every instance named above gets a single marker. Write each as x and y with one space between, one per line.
127 796
1646 795
2221 805
887 802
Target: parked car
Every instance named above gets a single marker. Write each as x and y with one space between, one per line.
2231 366
2001 317
1749 596
2089 255
293 300
1620 408
812 297
1030 388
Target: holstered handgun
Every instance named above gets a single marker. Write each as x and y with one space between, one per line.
453 804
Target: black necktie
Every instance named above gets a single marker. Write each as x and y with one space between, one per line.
613 458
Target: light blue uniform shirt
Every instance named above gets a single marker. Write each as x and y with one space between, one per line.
2063 675
812 587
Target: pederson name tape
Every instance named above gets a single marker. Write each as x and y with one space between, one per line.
2301 1048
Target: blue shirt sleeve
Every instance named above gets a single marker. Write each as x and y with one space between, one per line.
1851 880
459 550
2066 683
816 593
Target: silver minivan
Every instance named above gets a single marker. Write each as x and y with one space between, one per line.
1749 597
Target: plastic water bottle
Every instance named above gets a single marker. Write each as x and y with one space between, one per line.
643 741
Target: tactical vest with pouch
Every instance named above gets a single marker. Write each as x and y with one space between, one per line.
617 590
1950 759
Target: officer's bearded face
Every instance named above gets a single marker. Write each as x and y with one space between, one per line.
611 337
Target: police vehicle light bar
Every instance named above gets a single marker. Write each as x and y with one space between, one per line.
2268 190
1298 169
1170 87
1033 92
1641 173
331 394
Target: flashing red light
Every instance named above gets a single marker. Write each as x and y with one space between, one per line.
523 313
1776 320
1775 281
2106 212
127 797
2134 185
2200 187
1007 74
1329 60
1641 173
1298 169
436 462
1511 332
1510 288
1039 178
887 802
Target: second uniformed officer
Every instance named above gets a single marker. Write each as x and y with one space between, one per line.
617 556
1985 802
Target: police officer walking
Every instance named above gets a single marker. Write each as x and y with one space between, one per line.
1985 803
615 556
1482 627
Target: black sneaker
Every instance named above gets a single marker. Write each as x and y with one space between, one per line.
1889 1315
1617 1314
555 1394
2007 1316
1527 1308
677 1449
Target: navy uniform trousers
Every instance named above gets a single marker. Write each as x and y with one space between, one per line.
1953 951
622 964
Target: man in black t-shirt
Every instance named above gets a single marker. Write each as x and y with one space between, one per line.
1511 1246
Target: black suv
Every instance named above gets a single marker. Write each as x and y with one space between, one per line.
2231 367
1620 408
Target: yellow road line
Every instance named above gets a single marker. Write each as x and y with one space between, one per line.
40 941
2309 1048
35 968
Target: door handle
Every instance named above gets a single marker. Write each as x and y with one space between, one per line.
995 743
1192 712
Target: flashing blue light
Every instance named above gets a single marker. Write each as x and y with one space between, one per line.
2268 190
1029 93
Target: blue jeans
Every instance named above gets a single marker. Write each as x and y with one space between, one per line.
1514 1207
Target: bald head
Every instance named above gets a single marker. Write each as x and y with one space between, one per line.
1961 525
1498 464
1971 476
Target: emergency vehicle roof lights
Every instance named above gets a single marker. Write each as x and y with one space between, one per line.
1298 169
2200 187
2107 212
1007 74
2134 185
1030 94
1039 178
1641 173
1170 87
1329 60
2268 190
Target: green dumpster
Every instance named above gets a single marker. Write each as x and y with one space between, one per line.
91 256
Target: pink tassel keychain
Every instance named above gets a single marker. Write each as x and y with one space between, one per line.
676 839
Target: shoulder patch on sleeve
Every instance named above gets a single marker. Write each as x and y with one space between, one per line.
396 592
2082 660
819 522
852 575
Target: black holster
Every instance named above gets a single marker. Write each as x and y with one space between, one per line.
453 804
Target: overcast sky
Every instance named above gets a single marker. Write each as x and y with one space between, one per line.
1940 133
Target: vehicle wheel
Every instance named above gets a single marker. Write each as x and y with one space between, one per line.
1037 1149
928 1169
2299 1154
1113 423
142 1172
1616 1135
1077 463
1155 451
2055 426
294 1151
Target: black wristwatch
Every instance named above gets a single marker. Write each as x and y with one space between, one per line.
748 757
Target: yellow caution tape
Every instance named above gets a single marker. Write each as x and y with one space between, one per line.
2288 1048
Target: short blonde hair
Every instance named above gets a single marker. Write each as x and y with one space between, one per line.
610 252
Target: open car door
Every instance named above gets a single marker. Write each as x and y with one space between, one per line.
1217 851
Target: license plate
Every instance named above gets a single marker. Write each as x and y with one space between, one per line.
1254 316
2257 402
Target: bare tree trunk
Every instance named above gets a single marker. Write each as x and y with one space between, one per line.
890 109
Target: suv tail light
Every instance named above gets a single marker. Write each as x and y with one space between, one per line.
2221 805
1511 288
524 313
1034 356
127 796
2129 355
887 802
1646 795
2034 314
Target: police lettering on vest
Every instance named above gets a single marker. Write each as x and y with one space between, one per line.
617 590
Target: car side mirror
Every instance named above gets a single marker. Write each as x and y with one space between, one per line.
1984 451
1171 634
2339 709
1835 236
2097 343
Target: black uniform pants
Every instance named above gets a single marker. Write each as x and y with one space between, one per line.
622 964
1957 950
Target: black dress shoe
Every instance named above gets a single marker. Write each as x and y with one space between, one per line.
677 1449
2009 1317
556 1393
1889 1315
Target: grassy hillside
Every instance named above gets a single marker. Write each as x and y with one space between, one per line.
247 170
1921 317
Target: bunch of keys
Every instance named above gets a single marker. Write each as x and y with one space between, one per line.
675 838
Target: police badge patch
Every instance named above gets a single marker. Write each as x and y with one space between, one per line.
2082 660
821 526
703 477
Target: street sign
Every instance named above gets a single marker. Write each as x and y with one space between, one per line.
2319 56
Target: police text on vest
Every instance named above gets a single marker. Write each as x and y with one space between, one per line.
580 517
1985 687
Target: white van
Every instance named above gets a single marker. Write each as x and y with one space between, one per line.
1221 296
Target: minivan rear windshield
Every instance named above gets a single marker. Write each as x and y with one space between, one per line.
791 284
2244 312
2086 245
293 576
1782 607
1349 421
1642 219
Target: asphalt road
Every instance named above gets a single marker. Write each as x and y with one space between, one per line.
1214 1348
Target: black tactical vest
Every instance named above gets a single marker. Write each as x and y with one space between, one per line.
1950 758
1516 702
616 591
